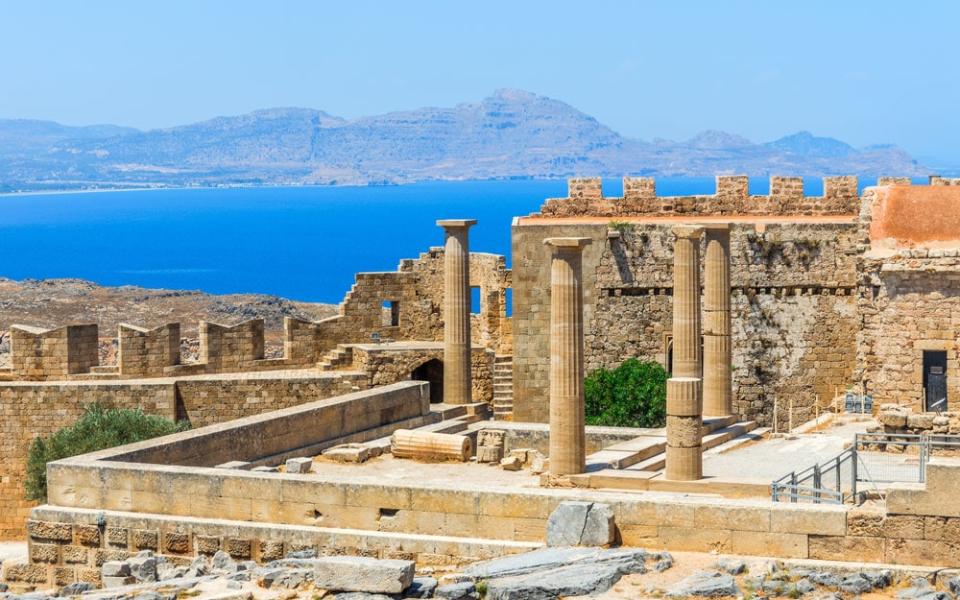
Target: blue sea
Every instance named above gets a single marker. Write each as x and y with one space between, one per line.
303 243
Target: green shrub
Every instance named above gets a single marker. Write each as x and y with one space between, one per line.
632 395
99 428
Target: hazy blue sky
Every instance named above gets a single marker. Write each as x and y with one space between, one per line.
865 72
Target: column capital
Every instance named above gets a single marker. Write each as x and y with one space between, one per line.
567 243
693 232
456 223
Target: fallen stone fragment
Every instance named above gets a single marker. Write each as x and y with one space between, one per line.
361 574
72 589
115 568
575 523
361 596
733 566
465 590
301 554
805 586
489 454
573 580
143 567
538 462
348 453
237 465
628 560
511 463
422 587
825 578
116 581
299 465
706 584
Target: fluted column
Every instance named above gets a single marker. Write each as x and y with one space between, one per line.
717 359
684 391
568 449
457 387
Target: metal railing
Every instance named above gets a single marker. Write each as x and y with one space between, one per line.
874 460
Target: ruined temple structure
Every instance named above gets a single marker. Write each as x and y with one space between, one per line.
764 309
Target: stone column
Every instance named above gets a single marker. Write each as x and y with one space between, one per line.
568 448
457 388
684 393
717 359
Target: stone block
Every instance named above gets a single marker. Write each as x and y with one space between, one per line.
75 555
63 576
176 543
118 536
299 465
760 543
489 454
115 582
271 550
849 548
115 568
238 548
207 544
146 539
45 530
808 519
511 463
740 518
903 526
87 535
576 523
348 453
44 553
358 574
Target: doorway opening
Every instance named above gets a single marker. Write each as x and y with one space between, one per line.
431 372
935 380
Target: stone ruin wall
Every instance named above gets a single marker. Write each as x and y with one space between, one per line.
56 353
794 304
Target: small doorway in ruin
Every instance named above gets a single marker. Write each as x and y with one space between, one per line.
935 380
431 372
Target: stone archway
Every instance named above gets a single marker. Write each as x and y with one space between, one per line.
431 372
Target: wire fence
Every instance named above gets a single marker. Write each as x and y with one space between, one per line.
874 461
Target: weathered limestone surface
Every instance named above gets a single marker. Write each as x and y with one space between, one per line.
684 388
456 311
360 574
717 357
53 353
567 412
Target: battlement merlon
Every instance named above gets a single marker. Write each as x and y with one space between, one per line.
787 196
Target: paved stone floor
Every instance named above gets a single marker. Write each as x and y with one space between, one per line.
772 458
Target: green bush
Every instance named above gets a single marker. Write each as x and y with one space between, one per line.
632 395
99 428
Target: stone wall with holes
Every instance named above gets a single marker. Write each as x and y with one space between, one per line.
794 307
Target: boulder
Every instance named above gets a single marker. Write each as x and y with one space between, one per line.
627 560
894 418
538 463
361 574
222 562
511 463
705 583
733 566
116 581
73 589
575 523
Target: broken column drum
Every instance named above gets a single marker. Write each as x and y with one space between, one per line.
567 418
717 358
684 391
457 388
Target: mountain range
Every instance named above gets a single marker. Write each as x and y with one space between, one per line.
511 134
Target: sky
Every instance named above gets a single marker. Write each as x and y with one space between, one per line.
864 72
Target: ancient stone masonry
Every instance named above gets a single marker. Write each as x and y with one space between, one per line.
51 353
717 357
732 197
148 352
792 306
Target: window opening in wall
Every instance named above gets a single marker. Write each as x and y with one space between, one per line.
508 301
475 300
390 313
935 380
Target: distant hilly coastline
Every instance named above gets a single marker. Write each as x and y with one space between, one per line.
511 134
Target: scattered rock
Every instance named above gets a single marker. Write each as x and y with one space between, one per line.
805 586
457 591
511 463
953 584
422 587
361 574
705 583
824 578
628 560
574 580
143 567
733 566
539 463
299 465
117 581
72 589
306 553
575 523
115 568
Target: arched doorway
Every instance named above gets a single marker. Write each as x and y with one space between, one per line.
431 372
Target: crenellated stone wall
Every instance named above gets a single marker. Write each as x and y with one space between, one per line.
147 352
51 353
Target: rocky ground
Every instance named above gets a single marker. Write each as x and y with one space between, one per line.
55 302
549 573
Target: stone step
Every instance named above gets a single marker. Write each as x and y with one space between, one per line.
712 440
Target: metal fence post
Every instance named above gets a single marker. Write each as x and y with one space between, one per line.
793 485
816 484
853 467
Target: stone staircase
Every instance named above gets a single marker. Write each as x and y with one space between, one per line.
503 387
648 453
338 359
